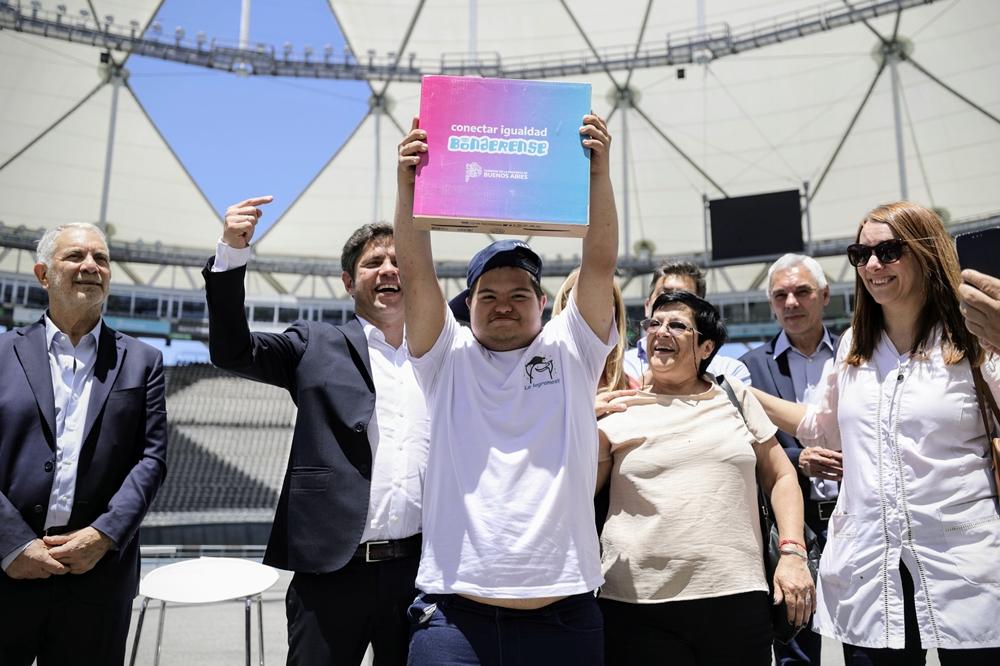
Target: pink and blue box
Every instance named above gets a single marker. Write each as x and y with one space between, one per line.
503 157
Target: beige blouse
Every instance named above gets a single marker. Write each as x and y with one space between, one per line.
683 521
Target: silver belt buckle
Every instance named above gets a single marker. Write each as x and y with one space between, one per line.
825 509
368 549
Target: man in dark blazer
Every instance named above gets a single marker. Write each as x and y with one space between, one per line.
82 453
348 515
791 366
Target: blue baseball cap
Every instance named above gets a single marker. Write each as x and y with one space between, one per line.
498 254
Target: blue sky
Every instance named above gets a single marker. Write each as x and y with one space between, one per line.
220 124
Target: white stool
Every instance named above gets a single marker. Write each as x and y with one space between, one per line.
203 581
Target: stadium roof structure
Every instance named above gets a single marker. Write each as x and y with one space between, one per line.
853 102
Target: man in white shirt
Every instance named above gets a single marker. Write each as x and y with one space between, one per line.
510 556
349 513
684 276
791 366
83 440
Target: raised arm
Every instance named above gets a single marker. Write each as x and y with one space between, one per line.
783 413
424 302
266 357
594 291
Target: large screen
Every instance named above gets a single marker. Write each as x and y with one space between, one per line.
760 225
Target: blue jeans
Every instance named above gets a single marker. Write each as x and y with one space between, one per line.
450 630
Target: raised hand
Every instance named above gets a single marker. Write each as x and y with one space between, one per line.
413 145
241 220
598 139
981 307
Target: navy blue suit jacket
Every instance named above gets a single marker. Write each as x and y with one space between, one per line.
323 502
122 461
773 375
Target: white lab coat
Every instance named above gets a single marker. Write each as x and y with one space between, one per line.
917 488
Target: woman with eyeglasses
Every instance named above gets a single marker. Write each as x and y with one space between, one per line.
912 559
682 551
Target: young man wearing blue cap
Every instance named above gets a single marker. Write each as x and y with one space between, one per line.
510 556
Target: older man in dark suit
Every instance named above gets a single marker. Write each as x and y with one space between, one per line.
82 453
349 513
791 366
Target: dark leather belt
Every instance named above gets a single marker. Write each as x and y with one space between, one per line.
824 508
392 549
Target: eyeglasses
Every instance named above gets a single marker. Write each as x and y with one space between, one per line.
674 327
887 252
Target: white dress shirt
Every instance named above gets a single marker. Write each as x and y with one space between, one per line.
72 370
807 371
917 488
398 432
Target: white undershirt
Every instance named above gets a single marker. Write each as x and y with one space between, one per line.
398 434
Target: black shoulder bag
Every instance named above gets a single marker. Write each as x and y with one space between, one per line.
784 631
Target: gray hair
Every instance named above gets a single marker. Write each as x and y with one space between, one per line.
47 243
791 260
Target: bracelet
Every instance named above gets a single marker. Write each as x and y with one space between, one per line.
793 551
785 542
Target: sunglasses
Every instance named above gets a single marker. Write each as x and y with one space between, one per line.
887 252
674 327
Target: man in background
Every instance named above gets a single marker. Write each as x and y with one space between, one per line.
683 276
83 438
790 366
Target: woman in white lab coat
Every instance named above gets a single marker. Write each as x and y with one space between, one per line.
913 556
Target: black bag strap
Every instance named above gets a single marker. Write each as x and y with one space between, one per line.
762 502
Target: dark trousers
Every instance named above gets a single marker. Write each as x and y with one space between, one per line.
333 617
449 630
47 619
805 648
721 631
912 654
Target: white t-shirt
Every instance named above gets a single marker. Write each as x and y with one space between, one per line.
508 496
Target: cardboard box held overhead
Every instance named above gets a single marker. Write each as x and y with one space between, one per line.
503 157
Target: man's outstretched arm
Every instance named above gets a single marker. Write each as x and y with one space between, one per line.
594 292
424 302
